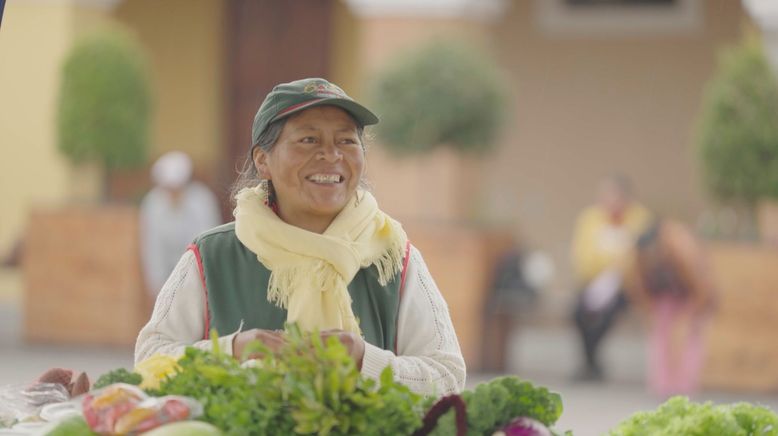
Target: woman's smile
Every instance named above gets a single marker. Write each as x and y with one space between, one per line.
325 179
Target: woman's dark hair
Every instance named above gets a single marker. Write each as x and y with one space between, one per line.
248 177
247 174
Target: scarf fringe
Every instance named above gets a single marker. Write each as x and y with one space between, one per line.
283 282
390 262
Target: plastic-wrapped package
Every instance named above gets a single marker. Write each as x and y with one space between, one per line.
22 401
126 409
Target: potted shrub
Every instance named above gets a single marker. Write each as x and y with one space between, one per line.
105 104
81 265
738 148
738 137
443 104
443 94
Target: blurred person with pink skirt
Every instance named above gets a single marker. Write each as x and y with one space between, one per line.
671 283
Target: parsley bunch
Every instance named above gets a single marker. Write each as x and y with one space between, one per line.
680 417
308 387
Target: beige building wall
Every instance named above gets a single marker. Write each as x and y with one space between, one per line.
184 41
345 67
583 106
586 107
35 38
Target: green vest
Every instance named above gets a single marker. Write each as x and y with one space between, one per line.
236 286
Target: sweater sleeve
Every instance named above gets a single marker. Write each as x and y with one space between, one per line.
428 358
178 318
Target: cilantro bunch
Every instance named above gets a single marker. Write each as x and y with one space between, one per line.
495 403
680 417
309 387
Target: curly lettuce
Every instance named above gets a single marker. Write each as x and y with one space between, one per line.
681 417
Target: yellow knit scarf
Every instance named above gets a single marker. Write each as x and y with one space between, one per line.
310 272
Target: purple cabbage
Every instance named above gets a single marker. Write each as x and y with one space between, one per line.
523 426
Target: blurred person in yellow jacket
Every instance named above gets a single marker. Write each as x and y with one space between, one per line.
603 243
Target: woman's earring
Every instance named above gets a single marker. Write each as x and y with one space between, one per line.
267 188
270 194
357 200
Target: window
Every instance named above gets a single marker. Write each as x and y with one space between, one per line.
618 17
621 3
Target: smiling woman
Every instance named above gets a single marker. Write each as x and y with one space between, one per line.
309 246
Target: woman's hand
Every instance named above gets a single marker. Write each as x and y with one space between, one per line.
353 342
272 339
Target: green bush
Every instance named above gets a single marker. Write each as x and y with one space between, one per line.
104 102
738 137
443 93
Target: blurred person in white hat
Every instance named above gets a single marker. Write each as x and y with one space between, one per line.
172 214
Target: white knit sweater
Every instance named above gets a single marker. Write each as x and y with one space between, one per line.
429 360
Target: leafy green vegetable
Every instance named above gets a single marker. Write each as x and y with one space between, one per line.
120 375
680 417
493 404
308 387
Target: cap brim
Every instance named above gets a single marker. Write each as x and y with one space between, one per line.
362 114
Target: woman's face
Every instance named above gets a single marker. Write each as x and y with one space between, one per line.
315 166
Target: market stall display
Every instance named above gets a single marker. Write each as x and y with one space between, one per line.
313 387
308 387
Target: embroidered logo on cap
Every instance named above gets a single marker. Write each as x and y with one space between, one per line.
323 89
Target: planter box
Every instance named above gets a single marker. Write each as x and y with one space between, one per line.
461 260
82 276
767 217
742 352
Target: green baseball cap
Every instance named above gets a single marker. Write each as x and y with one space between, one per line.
289 98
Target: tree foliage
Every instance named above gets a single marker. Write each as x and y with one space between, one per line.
738 137
443 93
